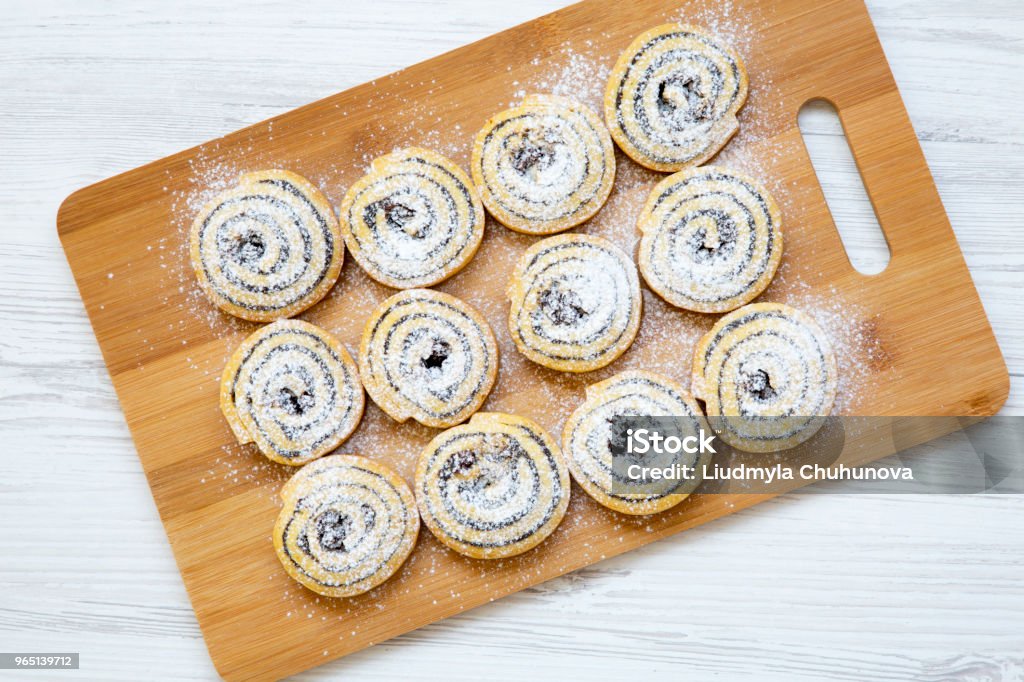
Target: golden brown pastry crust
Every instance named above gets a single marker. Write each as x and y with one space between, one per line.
711 239
293 390
575 303
414 220
494 487
673 95
587 433
544 166
268 248
767 375
348 524
428 356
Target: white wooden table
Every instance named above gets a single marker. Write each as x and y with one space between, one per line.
819 587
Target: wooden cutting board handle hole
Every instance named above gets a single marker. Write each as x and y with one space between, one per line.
841 183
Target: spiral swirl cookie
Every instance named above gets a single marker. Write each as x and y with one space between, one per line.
268 248
414 220
493 488
673 95
429 356
292 389
711 239
587 440
544 166
575 303
347 525
767 375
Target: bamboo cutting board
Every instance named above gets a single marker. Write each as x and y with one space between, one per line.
911 340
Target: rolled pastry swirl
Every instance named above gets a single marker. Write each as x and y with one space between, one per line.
711 239
292 389
429 356
575 303
767 375
673 95
493 488
347 525
544 166
587 437
268 248
414 220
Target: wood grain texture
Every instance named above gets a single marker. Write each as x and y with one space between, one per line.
73 387
161 346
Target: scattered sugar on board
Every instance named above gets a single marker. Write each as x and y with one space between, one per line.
856 349
576 71
740 28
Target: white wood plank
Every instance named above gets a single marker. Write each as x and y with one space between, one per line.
821 587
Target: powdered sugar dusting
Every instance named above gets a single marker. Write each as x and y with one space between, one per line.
544 165
860 354
575 70
740 29
665 342
208 179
